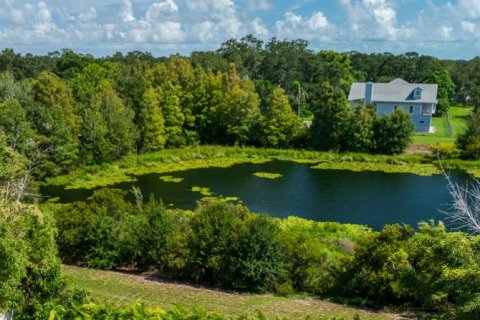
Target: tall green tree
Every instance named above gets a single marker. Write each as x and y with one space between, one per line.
241 108
446 89
173 115
107 131
151 123
360 130
55 119
14 123
280 124
331 119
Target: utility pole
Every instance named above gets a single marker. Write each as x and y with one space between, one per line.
299 98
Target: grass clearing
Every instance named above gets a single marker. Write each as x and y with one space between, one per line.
458 117
118 289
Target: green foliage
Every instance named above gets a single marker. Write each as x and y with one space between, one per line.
314 249
151 123
107 231
360 132
430 269
469 141
280 124
442 107
55 120
331 119
173 115
154 235
446 89
14 123
230 247
107 131
446 150
29 267
392 134
137 311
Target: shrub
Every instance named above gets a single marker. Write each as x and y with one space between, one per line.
392 134
108 231
231 247
314 249
430 269
446 150
469 141
154 235
255 259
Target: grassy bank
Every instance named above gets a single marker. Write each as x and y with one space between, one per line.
443 134
117 289
172 160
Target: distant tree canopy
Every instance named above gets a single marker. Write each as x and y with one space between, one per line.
67 109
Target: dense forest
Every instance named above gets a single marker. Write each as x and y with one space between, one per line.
65 109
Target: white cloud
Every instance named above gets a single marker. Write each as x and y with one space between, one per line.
16 16
317 21
372 18
258 5
214 20
88 15
446 32
258 27
470 7
468 26
127 11
160 8
296 26
43 23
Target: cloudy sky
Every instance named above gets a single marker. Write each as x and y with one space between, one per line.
446 29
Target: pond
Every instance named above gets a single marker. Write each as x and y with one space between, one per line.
370 198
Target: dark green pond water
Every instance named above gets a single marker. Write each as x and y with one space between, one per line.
370 198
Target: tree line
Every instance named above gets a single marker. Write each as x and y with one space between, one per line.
67 109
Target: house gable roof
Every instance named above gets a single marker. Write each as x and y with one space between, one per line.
397 90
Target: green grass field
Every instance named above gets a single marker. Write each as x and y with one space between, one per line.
117 289
458 116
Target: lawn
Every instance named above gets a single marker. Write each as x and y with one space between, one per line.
458 116
115 288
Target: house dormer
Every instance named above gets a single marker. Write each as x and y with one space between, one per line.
417 93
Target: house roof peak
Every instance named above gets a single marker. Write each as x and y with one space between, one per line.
398 81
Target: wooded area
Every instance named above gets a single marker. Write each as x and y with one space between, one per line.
65 109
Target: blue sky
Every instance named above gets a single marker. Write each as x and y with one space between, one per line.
446 29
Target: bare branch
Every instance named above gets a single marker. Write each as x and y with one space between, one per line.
465 210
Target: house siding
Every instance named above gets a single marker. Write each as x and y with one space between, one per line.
422 122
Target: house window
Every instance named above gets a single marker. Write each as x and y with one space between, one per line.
417 93
411 109
422 121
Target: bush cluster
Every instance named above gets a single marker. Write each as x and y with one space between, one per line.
224 244
429 269
220 243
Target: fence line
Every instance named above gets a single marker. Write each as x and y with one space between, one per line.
449 132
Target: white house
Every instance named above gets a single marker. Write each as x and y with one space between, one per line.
417 99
